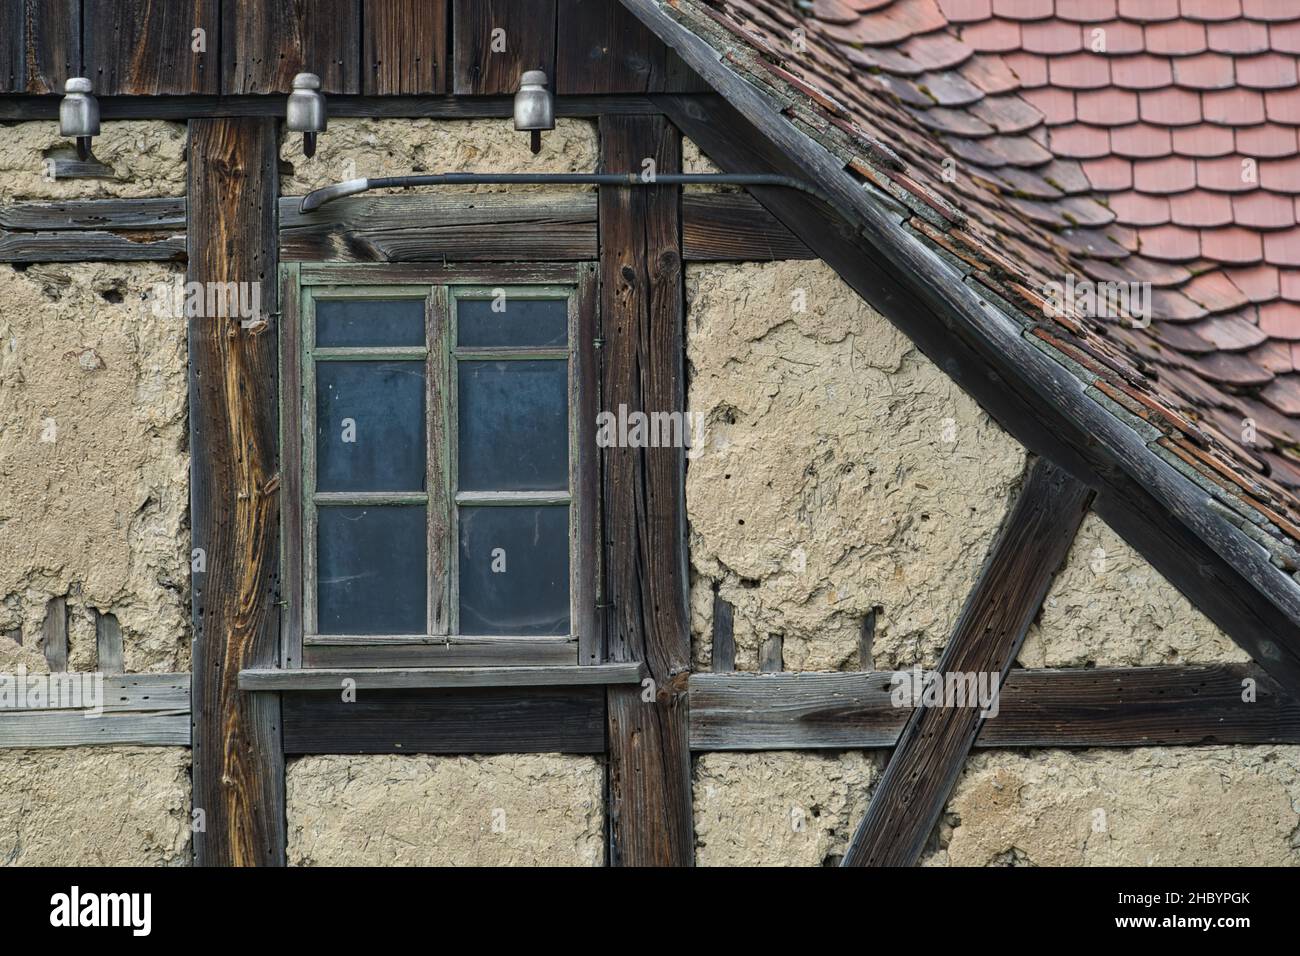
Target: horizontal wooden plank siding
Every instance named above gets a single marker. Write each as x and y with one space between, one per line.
1101 707
149 47
484 721
397 678
265 42
88 247
496 41
111 214
734 227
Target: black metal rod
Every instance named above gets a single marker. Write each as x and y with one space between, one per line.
318 197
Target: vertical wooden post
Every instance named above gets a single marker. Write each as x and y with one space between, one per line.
642 304
234 499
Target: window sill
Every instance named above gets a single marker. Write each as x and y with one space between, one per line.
377 678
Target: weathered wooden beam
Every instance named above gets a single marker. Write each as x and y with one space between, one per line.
142 709
724 635
22 107
495 41
515 227
88 246
446 721
95 214
234 497
40 44
602 48
1073 707
1003 603
265 42
771 654
1161 513
54 634
734 227
642 304
108 645
398 678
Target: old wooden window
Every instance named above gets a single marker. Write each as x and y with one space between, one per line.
443 436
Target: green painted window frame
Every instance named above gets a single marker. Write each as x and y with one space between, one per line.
440 290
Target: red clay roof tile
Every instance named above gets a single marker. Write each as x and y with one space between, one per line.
1144 11
1105 107
1233 107
1264 210
936 51
1173 174
1140 141
990 74
1205 71
1200 208
1079 141
1176 37
1281 320
1280 175
1260 283
1223 174
1023 9
1171 243
1051 36
1109 173
1267 72
1216 291
1282 248
1080 71
1141 72
1283 106
1203 141
1211 9
1232 245
1231 333
1086 11
1269 10
1274 355
1119 36
1174 107
1030 68
1056 106
992 36
1283 393
1140 209
1266 139
962 11
1283 37
1289 285
1238 36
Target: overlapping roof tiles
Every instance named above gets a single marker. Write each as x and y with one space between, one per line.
1034 141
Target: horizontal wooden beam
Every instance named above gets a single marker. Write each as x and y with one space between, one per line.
515 227
1076 707
376 678
87 246
446 721
23 107
99 214
143 709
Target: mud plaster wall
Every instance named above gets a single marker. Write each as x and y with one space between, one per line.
95 806
409 810
842 471
94 481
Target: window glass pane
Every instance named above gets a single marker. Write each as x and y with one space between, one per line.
352 323
370 426
513 423
520 322
514 570
371 570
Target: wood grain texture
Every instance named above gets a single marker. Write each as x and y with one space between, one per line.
406 46
141 709
481 721
40 45
1003 603
108 644
602 48
529 44
402 678
54 634
645 567
101 214
234 497
90 246
734 227
724 635
265 42
146 47
432 227
1073 707
1160 513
